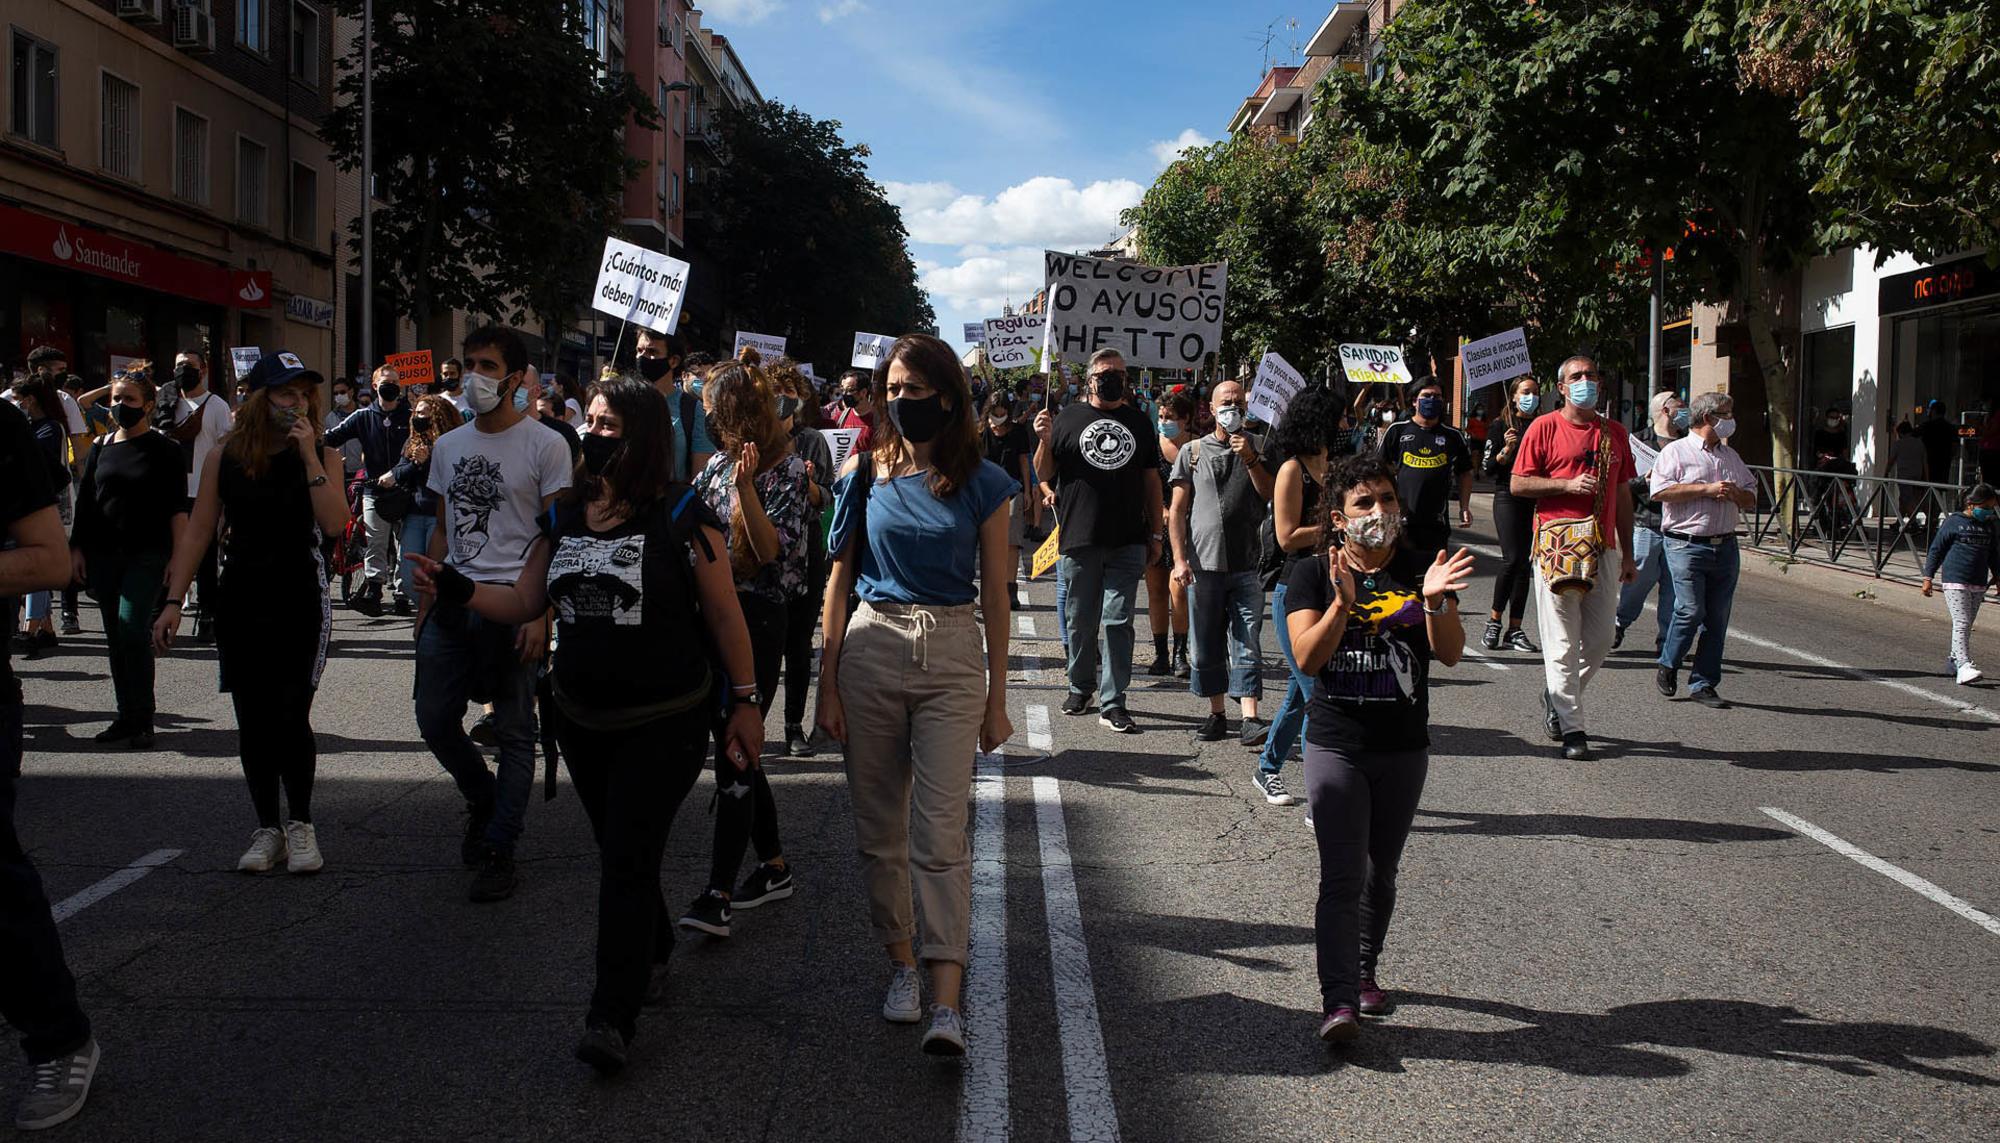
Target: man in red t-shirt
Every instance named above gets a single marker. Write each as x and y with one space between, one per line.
1559 467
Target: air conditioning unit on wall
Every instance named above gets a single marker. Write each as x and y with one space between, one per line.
194 29
140 11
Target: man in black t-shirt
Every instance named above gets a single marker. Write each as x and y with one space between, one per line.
1011 445
37 993
1104 457
1427 458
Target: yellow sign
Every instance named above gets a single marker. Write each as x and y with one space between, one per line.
1046 555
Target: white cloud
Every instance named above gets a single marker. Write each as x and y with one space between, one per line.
980 279
741 11
828 13
1044 211
1167 150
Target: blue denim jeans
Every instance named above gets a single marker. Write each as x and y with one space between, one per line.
1103 586
1289 724
1649 552
461 657
1704 578
1225 629
414 539
1062 604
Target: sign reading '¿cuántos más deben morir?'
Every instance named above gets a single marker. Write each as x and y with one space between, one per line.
1158 317
640 285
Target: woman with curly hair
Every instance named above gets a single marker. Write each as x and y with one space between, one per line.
431 416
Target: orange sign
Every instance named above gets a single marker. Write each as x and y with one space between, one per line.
411 368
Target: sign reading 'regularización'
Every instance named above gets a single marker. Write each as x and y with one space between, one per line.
640 285
1158 317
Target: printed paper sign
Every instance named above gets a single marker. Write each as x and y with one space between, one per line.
1643 456
768 346
975 332
243 358
640 285
1374 365
1015 340
1157 317
805 367
1277 383
411 368
1047 555
870 349
1501 357
841 442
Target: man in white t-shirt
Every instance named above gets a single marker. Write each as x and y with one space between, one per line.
201 419
494 479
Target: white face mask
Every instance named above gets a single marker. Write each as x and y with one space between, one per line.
1229 419
482 393
1388 417
1726 427
342 400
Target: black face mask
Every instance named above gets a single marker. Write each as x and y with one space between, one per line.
850 399
128 416
919 419
1111 385
654 368
187 377
788 406
598 451
420 423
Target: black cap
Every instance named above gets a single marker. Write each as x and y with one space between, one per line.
278 368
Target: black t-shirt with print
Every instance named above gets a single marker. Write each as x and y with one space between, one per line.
1102 458
1007 448
1427 464
1374 691
24 491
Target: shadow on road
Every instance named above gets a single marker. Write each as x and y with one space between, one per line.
1579 825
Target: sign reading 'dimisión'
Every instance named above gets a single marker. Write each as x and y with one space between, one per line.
1157 317
641 285
1374 365
1015 340
870 349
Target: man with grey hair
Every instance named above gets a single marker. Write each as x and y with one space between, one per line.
1703 487
1668 421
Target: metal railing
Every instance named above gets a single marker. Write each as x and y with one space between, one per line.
1849 520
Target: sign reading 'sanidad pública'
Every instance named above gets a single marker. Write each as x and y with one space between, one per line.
639 285
1158 317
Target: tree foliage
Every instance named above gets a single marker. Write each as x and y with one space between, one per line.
498 151
809 245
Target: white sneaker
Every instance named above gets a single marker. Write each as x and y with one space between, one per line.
267 849
1967 673
946 1035
905 1003
303 845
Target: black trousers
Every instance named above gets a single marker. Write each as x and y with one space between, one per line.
745 814
275 737
1362 805
1514 520
37 992
631 783
801 618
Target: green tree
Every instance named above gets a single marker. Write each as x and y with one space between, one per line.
809 245
498 151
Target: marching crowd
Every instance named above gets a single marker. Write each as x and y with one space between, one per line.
560 548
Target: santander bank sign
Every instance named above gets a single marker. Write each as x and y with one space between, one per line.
58 243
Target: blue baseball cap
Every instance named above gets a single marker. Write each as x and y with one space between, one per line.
278 368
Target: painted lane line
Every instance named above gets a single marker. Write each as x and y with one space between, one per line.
1894 873
983 1108
92 894
1479 653
1039 737
1026 625
1093 1118
1897 685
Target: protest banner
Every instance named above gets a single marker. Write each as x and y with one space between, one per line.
870 349
841 442
1047 555
1015 340
768 346
1276 384
806 369
243 357
637 284
1501 357
974 333
1643 456
1156 316
412 368
1374 365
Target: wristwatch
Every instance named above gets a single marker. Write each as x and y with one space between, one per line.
750 699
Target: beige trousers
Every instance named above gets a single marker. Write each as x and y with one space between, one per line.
1576 636
912 680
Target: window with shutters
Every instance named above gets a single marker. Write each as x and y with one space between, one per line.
253 165
34 76
118 126
190 156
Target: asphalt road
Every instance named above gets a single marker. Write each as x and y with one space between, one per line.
1629 948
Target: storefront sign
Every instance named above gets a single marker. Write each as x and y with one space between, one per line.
89 251
309 311
1939 285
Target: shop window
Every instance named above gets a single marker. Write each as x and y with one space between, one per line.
190 156
1828 392
118 127
305 44
253 164
250 24
305 202
34 66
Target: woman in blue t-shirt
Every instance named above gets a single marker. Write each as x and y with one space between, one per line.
906 683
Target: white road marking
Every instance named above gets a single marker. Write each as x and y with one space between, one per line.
1894 873
983 1109
1093 1118
92 894
1039 737
1478 652
1026 625
1897 685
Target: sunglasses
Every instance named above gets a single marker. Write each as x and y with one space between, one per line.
1111 374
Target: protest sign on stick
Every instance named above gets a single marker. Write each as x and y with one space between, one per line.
413 368
841 443
870 349
243 358
767 345
640 285
1501 357
1276 384
1374 365
1015 340
1157 317
1047 555
974 332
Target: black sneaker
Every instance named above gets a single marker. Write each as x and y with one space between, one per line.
1551 721
1014 596
116 734
369 601
40 644
496 880
603 1048
1076 704
70 624
1163 666
1617 636
483 732
472 851
1491 639
1213 729
1576 746
797 743
403 606
1668 680
1275 791
142 738
708 914
765 883
1181 667
1253 733
1707 697
1115 718
1517 640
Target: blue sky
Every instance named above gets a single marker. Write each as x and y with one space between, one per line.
1004 128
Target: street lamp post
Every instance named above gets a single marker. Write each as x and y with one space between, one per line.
367 187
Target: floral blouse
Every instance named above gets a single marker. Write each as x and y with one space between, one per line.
782 489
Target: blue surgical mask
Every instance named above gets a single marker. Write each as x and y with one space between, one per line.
1072 388
1430 408
1583 394
1528 402
1170 430
1982 514
1681 419
521 399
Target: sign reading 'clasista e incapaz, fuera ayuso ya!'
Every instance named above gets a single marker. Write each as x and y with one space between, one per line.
640 285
